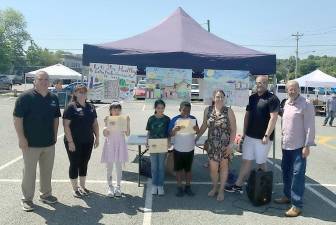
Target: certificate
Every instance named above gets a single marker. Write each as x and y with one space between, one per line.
158 145
187 126
117 123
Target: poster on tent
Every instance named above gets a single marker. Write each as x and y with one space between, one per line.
168 83
111 82
235 84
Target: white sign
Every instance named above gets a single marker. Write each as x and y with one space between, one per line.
111 81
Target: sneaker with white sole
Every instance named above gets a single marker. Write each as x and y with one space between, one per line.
77 193
154 190
161 190
84 191
48 199
117 192
110 192
238 189
27 206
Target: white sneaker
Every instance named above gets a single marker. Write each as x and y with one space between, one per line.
110 192
161 190
154 190
117 191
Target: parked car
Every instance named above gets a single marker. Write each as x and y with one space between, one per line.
71 87
17 80
195 92
5 83
140 90
68 88
65 94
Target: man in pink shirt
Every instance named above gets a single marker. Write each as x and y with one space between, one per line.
298 134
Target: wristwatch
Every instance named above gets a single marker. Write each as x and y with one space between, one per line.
265 135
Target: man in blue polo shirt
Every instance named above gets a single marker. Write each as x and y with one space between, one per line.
36 122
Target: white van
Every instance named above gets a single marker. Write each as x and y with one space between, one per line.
322 94
281 92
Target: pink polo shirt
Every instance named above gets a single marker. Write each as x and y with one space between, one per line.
298 124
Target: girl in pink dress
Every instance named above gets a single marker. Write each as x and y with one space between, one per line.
115 151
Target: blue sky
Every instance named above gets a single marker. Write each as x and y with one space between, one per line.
264 25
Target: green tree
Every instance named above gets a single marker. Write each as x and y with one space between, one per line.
4 52
326 64
38 57
14 37
308 65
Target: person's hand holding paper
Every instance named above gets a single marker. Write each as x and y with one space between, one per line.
186 126
117 123
159 145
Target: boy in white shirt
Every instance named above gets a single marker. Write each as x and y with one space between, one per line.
184 144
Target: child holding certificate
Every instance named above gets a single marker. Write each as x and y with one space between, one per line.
115 151
183 128
157 141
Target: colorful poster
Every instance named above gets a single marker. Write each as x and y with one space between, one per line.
111 82
111 89
235 84
168 83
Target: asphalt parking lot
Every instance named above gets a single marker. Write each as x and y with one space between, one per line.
137 206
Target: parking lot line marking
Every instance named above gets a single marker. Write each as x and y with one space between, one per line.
329 145
324 198
10 162
143 107
330 202
324 140
148 204
20 157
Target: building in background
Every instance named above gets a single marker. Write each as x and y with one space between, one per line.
72 61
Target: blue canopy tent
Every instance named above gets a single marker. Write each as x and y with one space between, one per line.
180 42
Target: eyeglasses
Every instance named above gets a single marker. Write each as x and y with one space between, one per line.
219 97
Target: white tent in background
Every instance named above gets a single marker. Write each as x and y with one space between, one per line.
58 71
317 79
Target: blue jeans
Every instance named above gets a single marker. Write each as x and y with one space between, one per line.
331 115
293 174
158 168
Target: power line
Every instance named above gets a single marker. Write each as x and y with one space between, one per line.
319 30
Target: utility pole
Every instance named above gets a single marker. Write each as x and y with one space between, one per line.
297 38
208 23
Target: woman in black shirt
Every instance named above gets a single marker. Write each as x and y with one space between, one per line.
81 134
